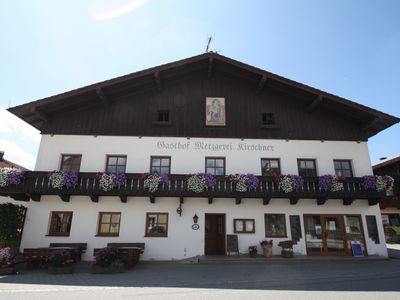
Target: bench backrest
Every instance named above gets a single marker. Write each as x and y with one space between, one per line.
116 245
36 252
81 246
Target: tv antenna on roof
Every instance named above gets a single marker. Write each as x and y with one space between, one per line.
209 40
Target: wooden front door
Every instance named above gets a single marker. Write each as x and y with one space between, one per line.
214 234
325 235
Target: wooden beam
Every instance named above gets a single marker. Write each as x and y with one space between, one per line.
94 198
293 200
321 201
372 202
157 80
261 84
20 197
64 197
313 105
238 200
103 97
124 198
210 200
35 197
266 200
152 199
348 201
210 67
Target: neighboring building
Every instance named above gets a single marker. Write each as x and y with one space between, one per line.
211 114
8 164
390 205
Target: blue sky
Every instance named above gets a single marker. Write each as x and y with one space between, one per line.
348 48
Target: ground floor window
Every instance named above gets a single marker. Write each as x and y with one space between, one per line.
243 226
391 225
60 223
275 225
109 223
157 225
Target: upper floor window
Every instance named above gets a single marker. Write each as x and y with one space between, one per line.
70 162
163 116
116 163
160 165
270 166
343 167
215 165
268 119
307 167
60 223
109 223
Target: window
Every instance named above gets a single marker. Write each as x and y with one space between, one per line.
243 226
163 116
215 165
160 164
270 166
116 163
275 225
70 162
157 225
60 223
267 119
307 167
109 224
343 168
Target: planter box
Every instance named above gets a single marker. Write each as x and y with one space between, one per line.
60 270
287 253
114 268
253 254
267 251
7 271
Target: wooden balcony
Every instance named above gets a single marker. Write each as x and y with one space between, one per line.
36 184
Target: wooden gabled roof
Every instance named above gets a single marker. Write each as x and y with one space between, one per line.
37 112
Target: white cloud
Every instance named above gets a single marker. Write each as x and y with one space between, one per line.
9 123
16 154
18 140
102 10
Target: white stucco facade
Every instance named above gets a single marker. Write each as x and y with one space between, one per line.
188 156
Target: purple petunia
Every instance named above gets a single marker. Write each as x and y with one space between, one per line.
70 179
119 179
15 177
297 182
164 178
251 181
325 182
210 179
369 182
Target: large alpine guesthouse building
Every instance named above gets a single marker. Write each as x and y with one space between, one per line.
182 155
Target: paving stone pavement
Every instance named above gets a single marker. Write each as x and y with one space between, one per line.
149 278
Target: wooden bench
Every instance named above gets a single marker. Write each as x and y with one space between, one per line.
128 253
36 255
79 248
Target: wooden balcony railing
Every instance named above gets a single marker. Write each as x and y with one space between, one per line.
36 184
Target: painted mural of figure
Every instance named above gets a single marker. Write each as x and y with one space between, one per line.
214 113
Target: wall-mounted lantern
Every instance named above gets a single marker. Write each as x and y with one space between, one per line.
195 218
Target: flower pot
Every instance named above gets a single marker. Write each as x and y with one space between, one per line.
287 253
113 268
68 269
253 254
267 251
7 271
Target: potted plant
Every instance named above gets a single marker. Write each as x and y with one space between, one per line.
107 261
287 248
60 262
7 261
267 247
253 251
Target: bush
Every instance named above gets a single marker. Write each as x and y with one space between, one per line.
60 258
12 221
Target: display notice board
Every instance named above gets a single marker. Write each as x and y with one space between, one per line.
232 244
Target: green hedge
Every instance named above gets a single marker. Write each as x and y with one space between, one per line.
12 218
